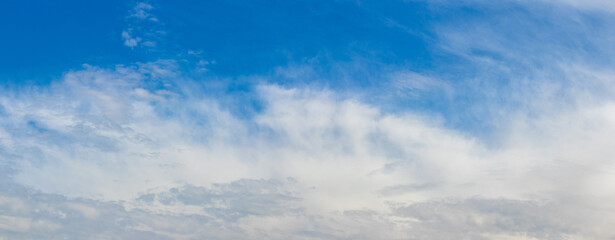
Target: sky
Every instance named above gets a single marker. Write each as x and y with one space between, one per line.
297 119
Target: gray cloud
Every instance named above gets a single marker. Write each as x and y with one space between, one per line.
244 209
232 201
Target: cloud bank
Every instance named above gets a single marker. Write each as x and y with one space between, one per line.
133 141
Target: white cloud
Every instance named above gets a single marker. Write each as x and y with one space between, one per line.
142 27
20 224
138 152
108 135
592 5
142 11
144 145
411 84
604 6
130 41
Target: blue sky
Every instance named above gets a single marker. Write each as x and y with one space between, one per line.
307 119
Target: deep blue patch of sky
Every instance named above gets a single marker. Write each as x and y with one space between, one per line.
42 38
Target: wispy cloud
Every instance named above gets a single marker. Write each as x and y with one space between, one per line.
142 27
142 11
130 41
